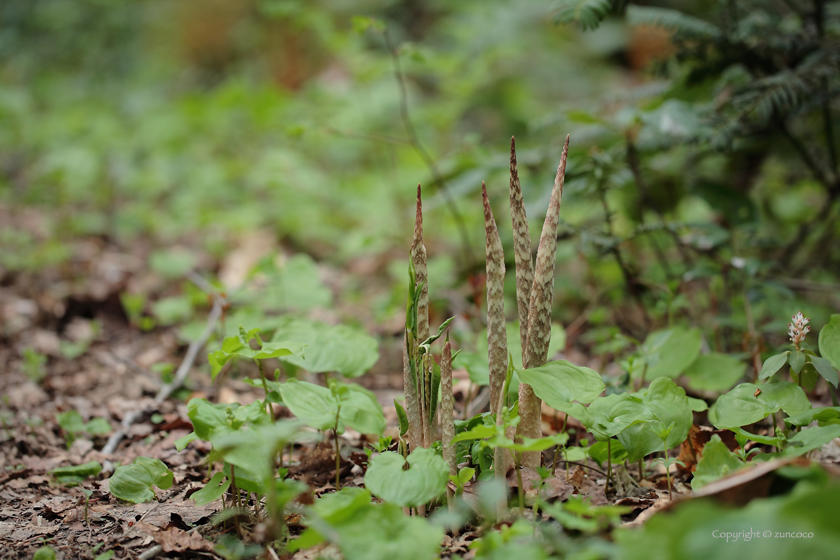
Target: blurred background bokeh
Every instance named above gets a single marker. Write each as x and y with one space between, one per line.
702 180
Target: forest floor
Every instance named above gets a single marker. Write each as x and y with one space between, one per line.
47 316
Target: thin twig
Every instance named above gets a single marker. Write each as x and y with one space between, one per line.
167 389
414 140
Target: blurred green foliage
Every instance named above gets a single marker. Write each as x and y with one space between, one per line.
702 172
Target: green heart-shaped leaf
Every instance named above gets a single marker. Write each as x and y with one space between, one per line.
742 407
424 480
134 482
717 462
348 351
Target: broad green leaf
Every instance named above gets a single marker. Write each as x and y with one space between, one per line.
424 480
714 372
239 347
796 359
772 365
296 285
696 529
171 310
341 506
476 363
668 406
183 442
697 405
482 431
741 406
98 426
465 475
255 447
172 263
535 444
382 532
829 341
213 490
825 369
317 406
360 410
72 476
824 415
764 440
340 348
313 404
245 479
640 440
717 462
559 383
598 451
71 422
134 482
44 553
671 351
809 439
609 416
210 419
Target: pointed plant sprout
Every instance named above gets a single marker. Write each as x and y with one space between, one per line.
447 411
535 352
496 329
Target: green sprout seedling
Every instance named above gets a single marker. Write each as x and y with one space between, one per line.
666 460
240 347
73 425
464 475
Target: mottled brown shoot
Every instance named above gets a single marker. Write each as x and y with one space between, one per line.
521 248
496 332
447 410
539 314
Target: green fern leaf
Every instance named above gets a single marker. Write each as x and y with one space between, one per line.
588 13
684 26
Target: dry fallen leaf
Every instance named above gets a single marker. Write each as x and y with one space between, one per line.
176 540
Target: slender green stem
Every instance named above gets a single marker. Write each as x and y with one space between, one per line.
609 464
265 388
668 475
642 468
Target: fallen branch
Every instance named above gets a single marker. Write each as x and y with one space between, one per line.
167 389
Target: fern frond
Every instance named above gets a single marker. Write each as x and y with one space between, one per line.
588 13
683 26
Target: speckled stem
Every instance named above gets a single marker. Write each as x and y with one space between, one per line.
497 353
539 314
521 248
412 403
418 257
447 410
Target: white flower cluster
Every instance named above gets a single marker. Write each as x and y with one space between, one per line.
798 328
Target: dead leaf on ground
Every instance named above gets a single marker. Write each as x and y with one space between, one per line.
691 450
176 540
